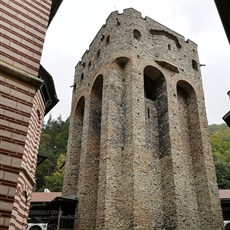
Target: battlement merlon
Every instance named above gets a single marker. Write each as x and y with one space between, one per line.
116 18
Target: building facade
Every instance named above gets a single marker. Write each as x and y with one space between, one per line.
27 94
223 7
138 152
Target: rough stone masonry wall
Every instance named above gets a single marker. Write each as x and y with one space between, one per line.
138 153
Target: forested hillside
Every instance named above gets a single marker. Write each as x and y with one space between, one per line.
220 140
53 145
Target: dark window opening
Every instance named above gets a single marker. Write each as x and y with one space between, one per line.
107 39
98 53
194 65
137 34
39 115
82 76
122 62
118 22
150 88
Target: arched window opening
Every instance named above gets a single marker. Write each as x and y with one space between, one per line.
151 81
98 53
194 65
107 39
122 62
82 76
102 37
137 34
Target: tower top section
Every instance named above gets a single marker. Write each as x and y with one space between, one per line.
118 24
129 35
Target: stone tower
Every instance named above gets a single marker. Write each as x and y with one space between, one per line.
138 153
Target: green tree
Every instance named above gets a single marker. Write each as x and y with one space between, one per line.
53 144
220 141
223 174
55 180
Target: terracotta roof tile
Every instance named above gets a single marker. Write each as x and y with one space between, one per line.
49 196
44 196
224 193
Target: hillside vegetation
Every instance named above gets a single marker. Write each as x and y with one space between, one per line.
53 145
220 141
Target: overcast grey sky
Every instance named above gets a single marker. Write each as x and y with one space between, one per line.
77 22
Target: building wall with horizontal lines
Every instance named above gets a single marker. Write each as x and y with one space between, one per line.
21 117
23 28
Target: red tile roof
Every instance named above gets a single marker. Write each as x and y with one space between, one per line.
49 196
44 196
224 193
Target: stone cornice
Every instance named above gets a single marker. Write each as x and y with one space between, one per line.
20 74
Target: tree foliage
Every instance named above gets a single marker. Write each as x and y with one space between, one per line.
220 141
53 145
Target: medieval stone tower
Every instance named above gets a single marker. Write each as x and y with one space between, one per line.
138 152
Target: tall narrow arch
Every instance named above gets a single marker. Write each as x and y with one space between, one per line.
70 185
153 78
189 127
93 150
187 108
192 165
157 138
157 105
78 130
